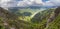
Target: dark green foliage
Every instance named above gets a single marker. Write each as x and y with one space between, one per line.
37 22
12 20
37 18
41 15
0 27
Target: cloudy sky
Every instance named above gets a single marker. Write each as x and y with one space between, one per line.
27 3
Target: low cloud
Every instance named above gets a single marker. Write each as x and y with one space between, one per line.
27 3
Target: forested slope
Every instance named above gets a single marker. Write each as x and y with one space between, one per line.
9 20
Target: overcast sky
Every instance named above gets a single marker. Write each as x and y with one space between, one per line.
27 3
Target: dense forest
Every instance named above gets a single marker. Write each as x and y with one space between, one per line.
30 18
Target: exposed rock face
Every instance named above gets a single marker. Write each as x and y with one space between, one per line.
53 16
57 11
11 21
5 13
7 16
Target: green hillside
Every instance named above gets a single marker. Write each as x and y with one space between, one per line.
28 19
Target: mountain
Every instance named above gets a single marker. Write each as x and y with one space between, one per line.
17 18
10 20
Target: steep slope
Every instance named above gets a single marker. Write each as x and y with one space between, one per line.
55 24
41 15
53 16
9 20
